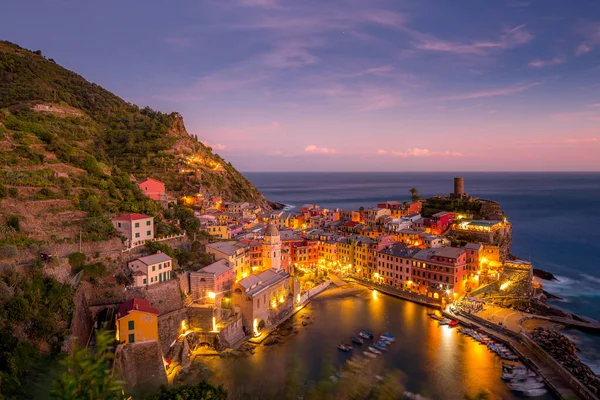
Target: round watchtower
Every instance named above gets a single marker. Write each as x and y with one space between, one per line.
459 186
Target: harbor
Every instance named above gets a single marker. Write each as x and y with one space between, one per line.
435 361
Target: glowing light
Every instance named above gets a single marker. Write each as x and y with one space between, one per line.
281 299
214 321
376 275
255 327
244 275
374 294
273 303
212 295
447 291
505 285
298 298
183 326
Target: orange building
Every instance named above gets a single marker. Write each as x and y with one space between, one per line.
137 322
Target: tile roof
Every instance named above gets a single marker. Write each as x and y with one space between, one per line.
400 250
137 305
154 258
254 284
229 248
217 268
131 217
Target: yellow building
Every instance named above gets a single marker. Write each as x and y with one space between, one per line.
137 322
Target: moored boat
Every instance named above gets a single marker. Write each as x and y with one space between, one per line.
380 347
388 337
344 347
453 323
534 392
374 350
369 354
529 385
444 321
357 340
366 335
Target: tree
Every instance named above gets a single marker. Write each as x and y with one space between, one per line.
77 259
88 375
13 222
414 193
200 391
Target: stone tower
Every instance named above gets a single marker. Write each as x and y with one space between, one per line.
459 187
272 248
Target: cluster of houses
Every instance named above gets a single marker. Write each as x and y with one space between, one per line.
259 253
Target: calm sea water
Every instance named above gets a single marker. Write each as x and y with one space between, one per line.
555 216
437 361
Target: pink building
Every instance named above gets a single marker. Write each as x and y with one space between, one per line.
440 222
440 273
394 265
212 283
153 188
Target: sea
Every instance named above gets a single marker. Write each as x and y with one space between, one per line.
555 217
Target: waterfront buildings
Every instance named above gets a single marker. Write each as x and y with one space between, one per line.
150 270
137 322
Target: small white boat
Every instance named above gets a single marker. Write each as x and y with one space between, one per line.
444 321
530 385
374 350
388 337
369 354
534 392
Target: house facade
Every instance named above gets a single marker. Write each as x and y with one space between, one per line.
153 189
212 283
137 322
238 255
150 270
136 228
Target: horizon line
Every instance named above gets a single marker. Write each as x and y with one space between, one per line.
428 172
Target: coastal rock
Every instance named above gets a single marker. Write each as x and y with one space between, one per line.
545 275
271 341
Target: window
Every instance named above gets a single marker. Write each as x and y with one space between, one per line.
118 224
137 224
131 338
159 266
148 233
130 325
144 281
148 223
137 235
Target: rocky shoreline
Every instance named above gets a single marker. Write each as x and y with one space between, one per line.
564 351
545 275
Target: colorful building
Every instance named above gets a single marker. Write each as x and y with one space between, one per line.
394 265
136 228
440 222
212 283
150 270
153 189
236 253
440 273
137 322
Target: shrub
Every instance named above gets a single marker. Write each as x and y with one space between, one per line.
3 191
13 222
8 252
76 259
13 192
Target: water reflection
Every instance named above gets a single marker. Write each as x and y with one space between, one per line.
438 362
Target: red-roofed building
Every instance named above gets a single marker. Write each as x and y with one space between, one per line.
137 322
136 228
153 188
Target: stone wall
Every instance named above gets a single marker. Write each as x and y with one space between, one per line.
232 333
169 327
164 296
200 317
141 366
82 323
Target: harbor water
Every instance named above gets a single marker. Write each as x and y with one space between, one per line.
436 361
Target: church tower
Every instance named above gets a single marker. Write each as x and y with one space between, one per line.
272 248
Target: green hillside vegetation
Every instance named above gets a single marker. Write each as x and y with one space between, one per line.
84 144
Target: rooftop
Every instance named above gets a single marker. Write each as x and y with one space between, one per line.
154 258
400 250
229 248
216 268
473 246
449 252
254 284
131 217
137 305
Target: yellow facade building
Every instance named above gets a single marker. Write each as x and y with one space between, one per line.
137 322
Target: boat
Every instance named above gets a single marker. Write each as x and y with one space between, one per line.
357 340
388 337
366 335
374 350
507 376
368 354
453 323
344 347
444 321
534 392
380 347
434 316
529 385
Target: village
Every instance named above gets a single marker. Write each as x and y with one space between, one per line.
267 265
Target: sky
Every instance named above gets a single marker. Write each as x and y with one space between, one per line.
346 85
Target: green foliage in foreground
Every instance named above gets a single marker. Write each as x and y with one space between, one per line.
33 306
199 391
88 374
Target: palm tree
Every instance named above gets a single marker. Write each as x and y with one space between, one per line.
414 194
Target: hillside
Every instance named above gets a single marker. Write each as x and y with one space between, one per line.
71 151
